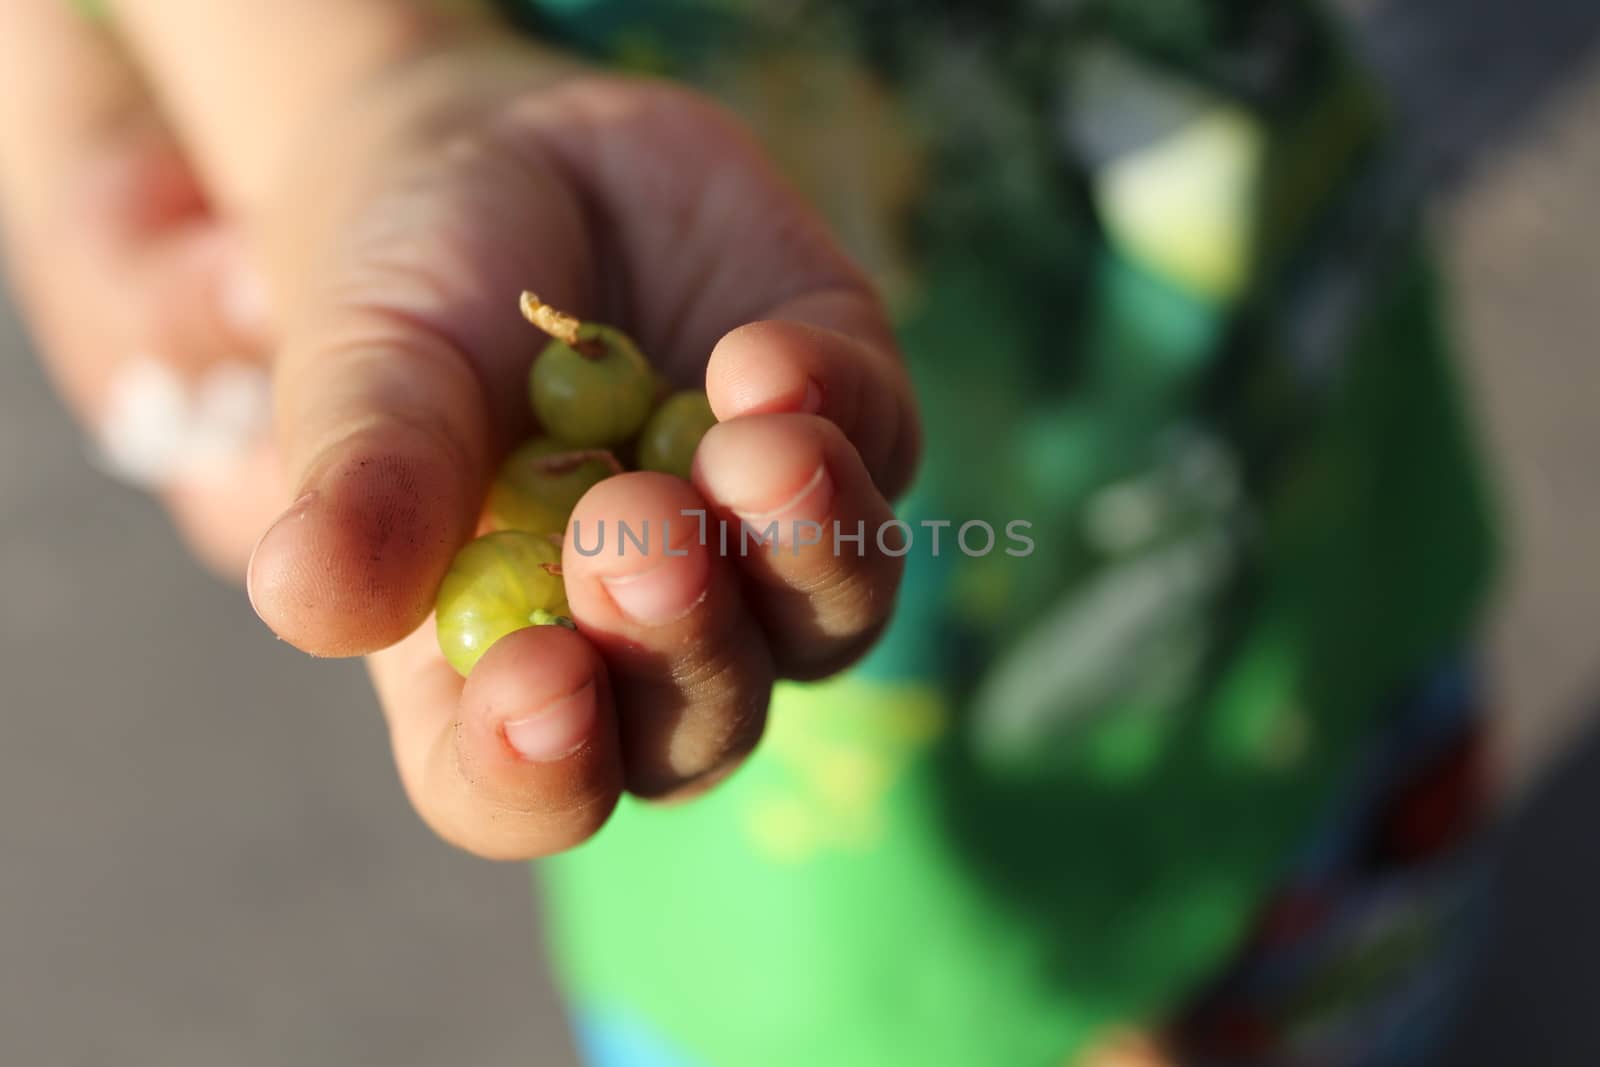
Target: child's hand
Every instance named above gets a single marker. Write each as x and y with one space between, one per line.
402 377
407 221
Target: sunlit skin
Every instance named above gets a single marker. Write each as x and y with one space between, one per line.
364 232
501 583
540 483
668 441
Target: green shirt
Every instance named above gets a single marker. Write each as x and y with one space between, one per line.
1129 245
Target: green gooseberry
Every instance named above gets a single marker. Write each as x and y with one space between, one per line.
590 387
542 481
496 585
668 440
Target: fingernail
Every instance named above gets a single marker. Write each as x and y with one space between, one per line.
809 504
557 730
294 511
665 591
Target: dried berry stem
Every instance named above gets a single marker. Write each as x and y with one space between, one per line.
558 324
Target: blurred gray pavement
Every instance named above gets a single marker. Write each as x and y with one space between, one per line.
205 857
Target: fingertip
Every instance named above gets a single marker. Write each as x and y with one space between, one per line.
770 367
762 465
535 697
536 743
825 584
791 367
692 670
352 566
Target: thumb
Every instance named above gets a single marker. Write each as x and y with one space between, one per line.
401 379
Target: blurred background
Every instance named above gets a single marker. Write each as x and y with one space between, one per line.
205 857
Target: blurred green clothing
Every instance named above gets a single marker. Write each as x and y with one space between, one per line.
1139 256
1145 263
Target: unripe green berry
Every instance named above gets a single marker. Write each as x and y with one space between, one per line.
668 441
541 482
590 387
499 584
